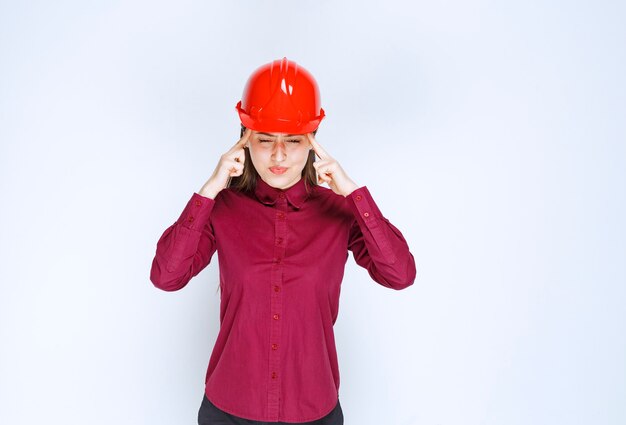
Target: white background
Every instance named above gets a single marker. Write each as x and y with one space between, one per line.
491 133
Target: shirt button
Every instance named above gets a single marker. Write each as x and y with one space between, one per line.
274 346
274 375
366 214
198 202
358 197
190 219
276 316
276 288
281 195
279 241
281 215
277 260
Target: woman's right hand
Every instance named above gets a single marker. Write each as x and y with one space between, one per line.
229 165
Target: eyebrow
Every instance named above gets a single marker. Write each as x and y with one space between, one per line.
286 135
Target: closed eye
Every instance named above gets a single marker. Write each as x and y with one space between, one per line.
268 141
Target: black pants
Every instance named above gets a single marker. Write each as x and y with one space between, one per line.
210 414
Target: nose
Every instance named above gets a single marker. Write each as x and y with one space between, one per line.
278 152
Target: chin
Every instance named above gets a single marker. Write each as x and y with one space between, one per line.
278 180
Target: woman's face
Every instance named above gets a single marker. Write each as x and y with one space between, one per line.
279 158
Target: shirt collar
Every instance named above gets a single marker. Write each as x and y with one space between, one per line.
296 194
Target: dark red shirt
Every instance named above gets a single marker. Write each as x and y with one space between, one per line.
282 255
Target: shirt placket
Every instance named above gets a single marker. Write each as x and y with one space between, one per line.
276 307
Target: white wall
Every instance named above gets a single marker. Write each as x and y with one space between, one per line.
491 133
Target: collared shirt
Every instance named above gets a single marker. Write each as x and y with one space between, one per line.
282 255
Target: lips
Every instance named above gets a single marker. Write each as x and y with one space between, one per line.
278 170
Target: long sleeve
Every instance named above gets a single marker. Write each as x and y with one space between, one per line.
186 247
377 245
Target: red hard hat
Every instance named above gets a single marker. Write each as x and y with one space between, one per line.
281 96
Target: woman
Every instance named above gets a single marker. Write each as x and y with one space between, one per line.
282 242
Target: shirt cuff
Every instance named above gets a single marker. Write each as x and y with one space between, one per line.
364 207
197 212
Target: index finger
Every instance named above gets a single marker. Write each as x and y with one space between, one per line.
242 141
319 150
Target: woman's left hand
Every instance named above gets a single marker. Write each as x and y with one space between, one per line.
329 171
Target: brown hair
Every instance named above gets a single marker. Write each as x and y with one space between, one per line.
246 182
